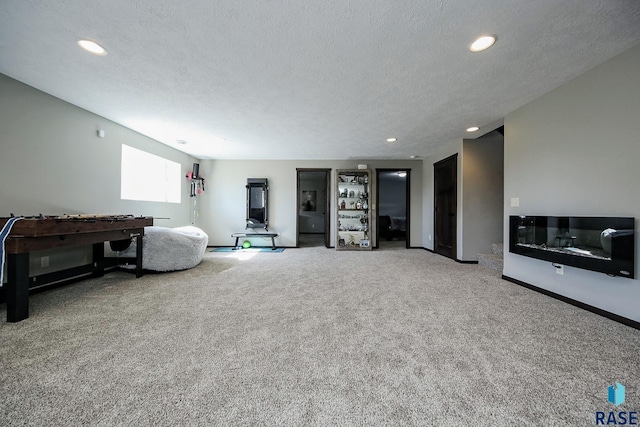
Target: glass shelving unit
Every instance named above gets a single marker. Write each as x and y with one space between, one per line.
353 222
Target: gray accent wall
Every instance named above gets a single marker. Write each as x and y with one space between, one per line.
480 194
575 151
482 186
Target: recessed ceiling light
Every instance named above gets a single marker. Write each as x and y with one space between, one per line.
482 43
392 139
181 141
92 47
473 129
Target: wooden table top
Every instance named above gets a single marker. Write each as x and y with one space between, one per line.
42 226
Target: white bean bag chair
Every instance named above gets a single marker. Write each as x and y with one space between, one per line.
169 249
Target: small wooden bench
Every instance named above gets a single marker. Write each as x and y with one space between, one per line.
271 235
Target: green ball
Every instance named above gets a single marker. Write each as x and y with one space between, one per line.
246 244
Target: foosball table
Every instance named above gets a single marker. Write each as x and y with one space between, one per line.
29 234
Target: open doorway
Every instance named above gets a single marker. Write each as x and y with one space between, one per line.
312 223
393 207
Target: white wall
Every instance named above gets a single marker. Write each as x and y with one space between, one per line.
575 151
223 210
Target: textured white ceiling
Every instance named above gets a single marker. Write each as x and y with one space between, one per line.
330 79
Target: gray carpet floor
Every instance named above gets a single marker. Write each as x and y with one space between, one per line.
311 337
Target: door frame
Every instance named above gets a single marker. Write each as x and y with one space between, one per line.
327 216
407 202
453 161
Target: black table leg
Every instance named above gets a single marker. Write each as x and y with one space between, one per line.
139 255
17 287
98 260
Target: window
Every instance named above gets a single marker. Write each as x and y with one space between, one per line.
148 177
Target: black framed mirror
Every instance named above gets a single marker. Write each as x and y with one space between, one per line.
257 203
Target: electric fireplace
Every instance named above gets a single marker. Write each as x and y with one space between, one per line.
603 244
